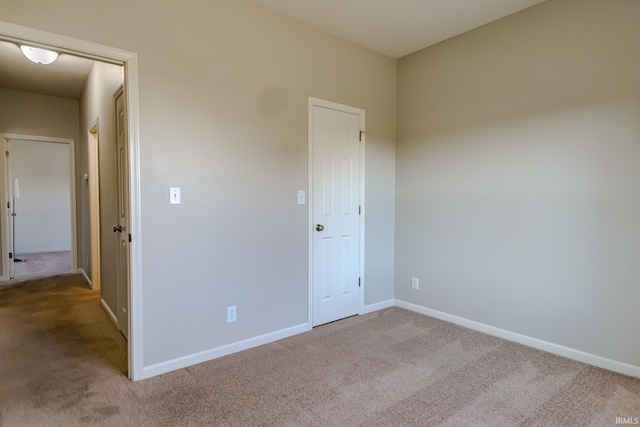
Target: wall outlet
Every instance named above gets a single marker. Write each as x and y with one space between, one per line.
415 283
231 314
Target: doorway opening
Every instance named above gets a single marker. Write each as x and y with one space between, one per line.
128 61
41 231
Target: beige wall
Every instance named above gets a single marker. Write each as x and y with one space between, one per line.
97 103
518 185
224 89
40 115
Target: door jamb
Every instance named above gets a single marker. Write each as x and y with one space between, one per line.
129 60
94 200
316 102
4 218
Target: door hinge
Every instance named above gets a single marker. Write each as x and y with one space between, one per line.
359 209
10 255
359 282
6 153
129 237
362 133
8 205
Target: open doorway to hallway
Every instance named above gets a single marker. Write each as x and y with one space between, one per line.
110 69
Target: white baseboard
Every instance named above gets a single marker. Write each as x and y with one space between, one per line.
86 278
41 251
214 353
112 316
571 353
377 306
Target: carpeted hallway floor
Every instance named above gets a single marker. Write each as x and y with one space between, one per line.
41 265
62 363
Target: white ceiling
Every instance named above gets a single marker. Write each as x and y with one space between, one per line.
392 27
64 78
397 27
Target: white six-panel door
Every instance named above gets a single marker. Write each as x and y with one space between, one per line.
335 214
122 263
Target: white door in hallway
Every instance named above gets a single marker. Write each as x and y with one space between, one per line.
335 214
122 159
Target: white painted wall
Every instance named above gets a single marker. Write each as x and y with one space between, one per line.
43 221
518 186
224 89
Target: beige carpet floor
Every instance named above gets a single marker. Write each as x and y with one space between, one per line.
62 363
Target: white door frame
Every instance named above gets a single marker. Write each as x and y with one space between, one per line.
5 221
129 60
93 188
72 196
316 102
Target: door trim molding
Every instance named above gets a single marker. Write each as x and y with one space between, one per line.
93 149
317 102
112 55
4 218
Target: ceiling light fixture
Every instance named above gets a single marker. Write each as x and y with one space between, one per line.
39 56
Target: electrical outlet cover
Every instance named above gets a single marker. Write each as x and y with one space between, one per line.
231 314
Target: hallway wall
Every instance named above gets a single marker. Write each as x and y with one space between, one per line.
97 102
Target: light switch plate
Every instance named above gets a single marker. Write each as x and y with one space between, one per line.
301 197
174 196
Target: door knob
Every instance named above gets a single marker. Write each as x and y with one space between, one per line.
319 227
117 228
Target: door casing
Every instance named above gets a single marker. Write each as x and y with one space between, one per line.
94 201
316 102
